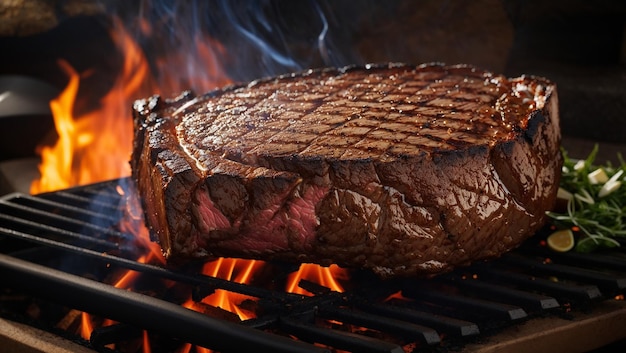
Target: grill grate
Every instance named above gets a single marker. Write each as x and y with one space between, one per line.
43 237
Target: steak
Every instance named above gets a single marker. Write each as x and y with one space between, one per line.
403 170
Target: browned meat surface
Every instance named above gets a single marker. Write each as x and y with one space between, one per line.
404 170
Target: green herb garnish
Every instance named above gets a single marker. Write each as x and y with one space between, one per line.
596 202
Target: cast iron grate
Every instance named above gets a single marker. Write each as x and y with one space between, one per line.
62 246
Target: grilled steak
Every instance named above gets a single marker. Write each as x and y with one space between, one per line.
404 170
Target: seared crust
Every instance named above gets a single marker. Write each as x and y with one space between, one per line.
400 169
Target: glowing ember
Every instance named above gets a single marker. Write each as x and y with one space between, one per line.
397 295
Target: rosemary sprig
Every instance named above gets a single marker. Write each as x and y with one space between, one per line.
596 206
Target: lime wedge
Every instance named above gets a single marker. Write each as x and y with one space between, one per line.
561 240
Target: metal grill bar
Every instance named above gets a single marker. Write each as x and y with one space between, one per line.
40 203
440 323
104 202
102 336
339 339
404 329
498 311
603 280
614 262
44 228
43 216
527 300
558 289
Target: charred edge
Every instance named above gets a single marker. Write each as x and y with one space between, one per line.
148 111
536 120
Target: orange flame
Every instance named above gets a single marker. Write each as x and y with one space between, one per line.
57 172
324 276
96 146
85 326
237 270
186 348
146 343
